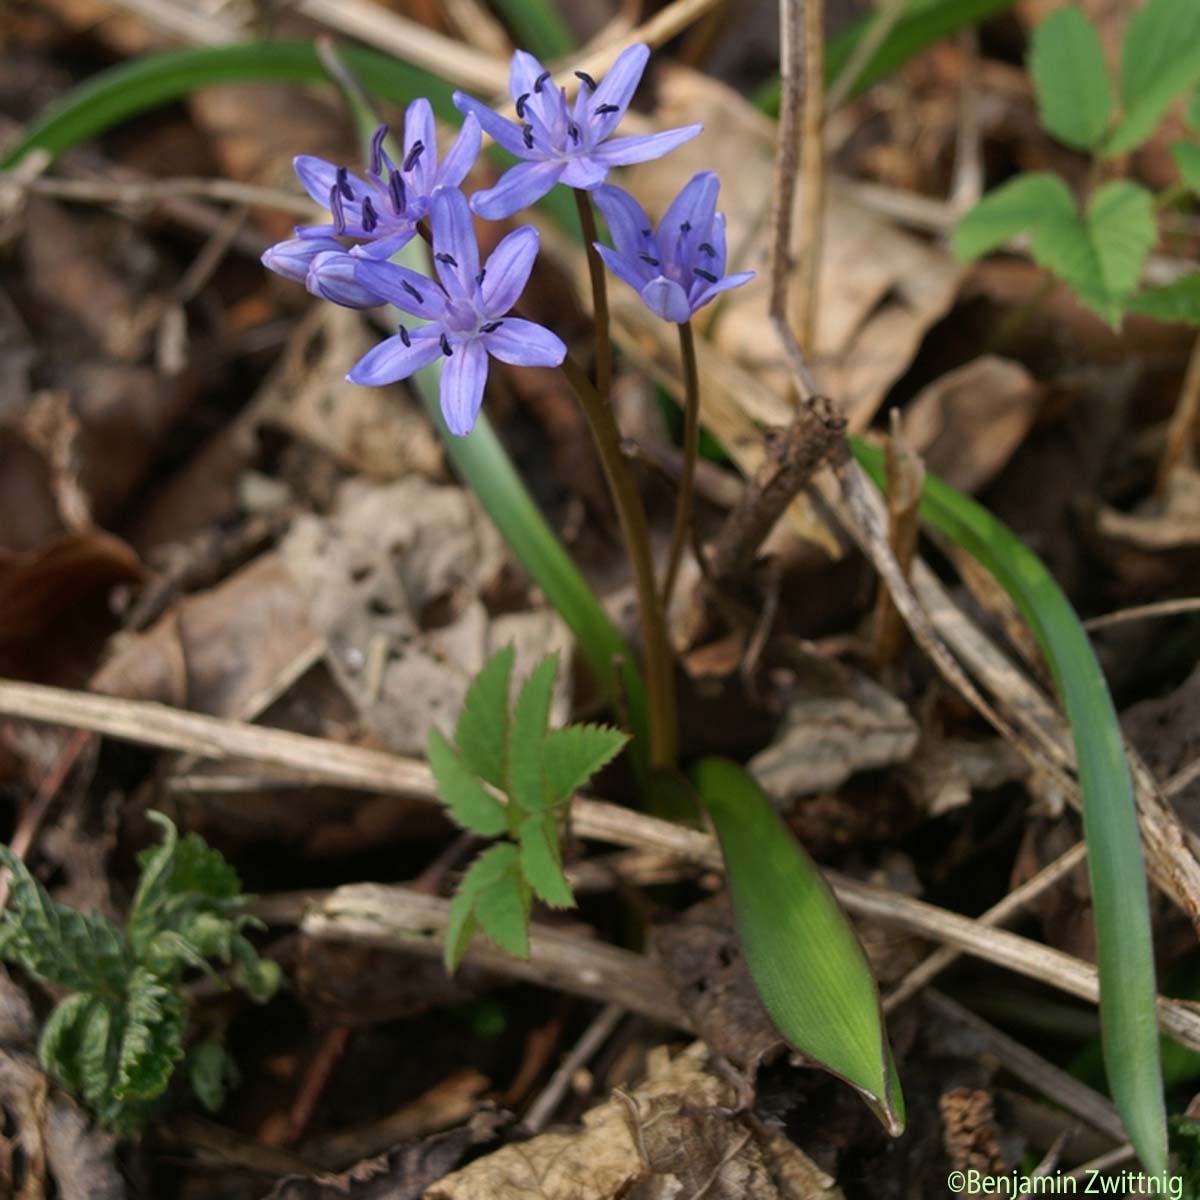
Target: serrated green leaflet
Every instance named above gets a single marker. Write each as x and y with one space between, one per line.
1160 60
1070 77
571 756
1100 256
541 864
469 802
1125 953
526 775
482 729
806 961
1187 162
499 900
1178 302
211 1072
1020 204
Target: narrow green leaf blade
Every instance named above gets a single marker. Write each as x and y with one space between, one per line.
1160 60
573 755
1187 163
482 729
541 860
468 800
539 27
1177 302
1070 76
526 773
1012 208
802 951
1125 949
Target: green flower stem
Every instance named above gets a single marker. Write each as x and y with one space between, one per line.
660 677
691 451
587 221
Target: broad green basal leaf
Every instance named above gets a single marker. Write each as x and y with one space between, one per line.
1020 204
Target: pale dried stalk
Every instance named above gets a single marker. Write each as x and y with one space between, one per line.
1185 422
320 761
1144 612
812 172
143 193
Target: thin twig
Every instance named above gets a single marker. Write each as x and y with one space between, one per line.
812 173
1142 612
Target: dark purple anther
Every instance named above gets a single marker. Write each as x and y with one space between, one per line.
490 327
707 276
540 82
573 130
336 210
481 276
686 227
649 258
527 134
521 101
446 346
377 139
607 108
705 248
418 148
448 259
398 194
587 79
343 183
404 335
412 291
369 217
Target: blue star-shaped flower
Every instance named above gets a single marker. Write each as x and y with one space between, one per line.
560 143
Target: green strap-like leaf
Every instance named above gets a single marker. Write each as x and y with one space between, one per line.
539 27
1070 76
802 951
1125 949
469 802
527 787
482 729
1160 60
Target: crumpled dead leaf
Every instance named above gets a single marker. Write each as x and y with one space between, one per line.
673 1136
838 721
393 578
968 424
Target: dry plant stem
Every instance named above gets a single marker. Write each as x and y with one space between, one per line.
812 171
905 478
1185 423
325 762
145 194
691 451
884 23
1009 907
660 677
1047 1079
587 222
1142 612
784 190
551 1096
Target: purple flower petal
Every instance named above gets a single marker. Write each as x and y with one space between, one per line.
716 239
633 270
666 299
291 259
701 298
419 128
319 177
463 378
627 220
625 150
407 290
508 270
517 188
524 344
385 247
331 275
584 172
499 128
618 86
691 210
393 359
455 249
461 156
524 73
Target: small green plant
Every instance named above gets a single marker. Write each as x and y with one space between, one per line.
511 777
1100 247
116 1039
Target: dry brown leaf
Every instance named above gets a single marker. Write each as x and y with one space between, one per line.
969 423
373 431
673 1136
837 722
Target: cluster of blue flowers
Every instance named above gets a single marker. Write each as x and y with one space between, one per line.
464 308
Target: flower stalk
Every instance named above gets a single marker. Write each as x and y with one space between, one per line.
691 452
587 222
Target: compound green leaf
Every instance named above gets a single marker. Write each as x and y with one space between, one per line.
526 774
1160 60
1020 204
1074 92
803 954
460 929
1177 302
573 755
469 802
482 729
541 859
